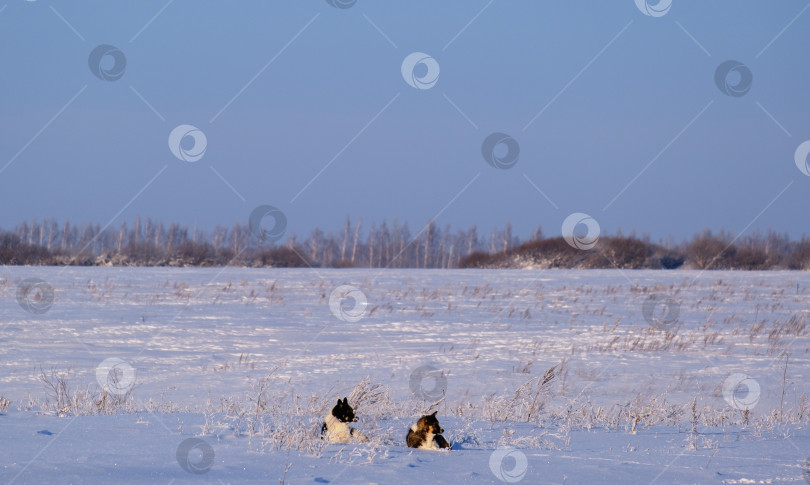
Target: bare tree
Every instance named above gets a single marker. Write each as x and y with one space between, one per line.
316 243
346 230
372 236
122 232
429 237
506 237
356 239
385 243
65 235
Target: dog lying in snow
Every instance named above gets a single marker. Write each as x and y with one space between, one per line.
426 434
336 427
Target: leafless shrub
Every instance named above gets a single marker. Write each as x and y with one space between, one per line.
62 400
283 257
621 252
710 252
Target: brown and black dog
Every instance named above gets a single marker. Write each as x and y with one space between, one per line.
426 434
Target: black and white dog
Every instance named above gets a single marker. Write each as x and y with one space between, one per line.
426 434
336 427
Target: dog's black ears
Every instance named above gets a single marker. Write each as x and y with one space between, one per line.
339 402
434 413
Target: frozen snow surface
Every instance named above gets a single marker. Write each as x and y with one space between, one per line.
223 375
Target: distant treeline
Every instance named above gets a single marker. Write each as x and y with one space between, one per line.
705 251
146 243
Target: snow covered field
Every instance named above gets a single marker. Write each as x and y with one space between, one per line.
223 375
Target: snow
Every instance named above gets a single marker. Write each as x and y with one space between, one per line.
196 348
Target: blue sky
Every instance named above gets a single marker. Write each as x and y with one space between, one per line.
304 107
